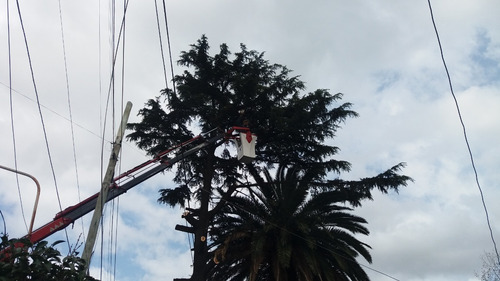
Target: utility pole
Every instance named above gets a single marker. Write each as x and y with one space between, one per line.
108 177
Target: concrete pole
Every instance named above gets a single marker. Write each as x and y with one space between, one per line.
101 199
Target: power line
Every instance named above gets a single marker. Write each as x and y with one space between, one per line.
67 119
112 51
115 47
114 224
116 238
4 224
12 118
70 111
100 69
123 62
169 47
111 91
161 45
464 131
41 115
115 55
51 110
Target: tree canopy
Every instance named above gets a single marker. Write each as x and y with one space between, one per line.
21 260
294 128
285 231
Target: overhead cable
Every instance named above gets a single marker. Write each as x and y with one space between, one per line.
41 116
169 47
70 111
464 132
67 119
4 224
115 55
12 117
161 45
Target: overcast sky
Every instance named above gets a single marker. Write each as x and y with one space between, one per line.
382 55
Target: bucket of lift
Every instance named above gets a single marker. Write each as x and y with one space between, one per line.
245 146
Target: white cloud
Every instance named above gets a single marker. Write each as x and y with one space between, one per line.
382 55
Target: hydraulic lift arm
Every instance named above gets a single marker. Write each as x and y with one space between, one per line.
122 183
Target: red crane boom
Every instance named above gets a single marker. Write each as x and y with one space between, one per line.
125 181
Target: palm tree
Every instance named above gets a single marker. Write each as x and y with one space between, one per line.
287 231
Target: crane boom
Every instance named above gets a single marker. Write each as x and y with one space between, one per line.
125 181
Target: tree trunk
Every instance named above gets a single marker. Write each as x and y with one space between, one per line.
201 231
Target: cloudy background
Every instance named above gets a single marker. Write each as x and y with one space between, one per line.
383 55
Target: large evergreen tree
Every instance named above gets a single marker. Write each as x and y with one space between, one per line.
243 88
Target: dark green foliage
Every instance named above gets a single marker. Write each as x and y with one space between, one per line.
176 196
282 232
38 262
354 192
291 126
244 89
